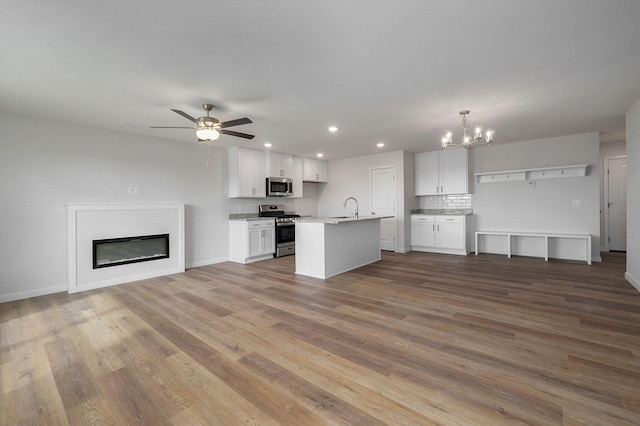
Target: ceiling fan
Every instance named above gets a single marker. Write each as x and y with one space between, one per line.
210 128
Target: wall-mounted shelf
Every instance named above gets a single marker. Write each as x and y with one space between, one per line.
532 174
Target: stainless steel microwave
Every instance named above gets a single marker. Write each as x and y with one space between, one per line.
279 187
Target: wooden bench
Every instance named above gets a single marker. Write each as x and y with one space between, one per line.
546 236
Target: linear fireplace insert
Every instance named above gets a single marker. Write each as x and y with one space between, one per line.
121 251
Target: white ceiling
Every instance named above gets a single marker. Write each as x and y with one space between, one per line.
387 71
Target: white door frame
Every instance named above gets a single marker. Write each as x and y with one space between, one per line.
605 199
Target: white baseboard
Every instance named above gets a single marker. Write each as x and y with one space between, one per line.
32 293
64 288
632 280
206 262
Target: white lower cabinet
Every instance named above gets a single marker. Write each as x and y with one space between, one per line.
439 234
423 231
251 240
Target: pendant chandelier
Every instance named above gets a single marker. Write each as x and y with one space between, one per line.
467 140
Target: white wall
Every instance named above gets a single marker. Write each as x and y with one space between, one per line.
45 166
547 206
350 178
410 200
633 196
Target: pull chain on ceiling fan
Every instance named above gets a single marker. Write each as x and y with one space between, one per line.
209 128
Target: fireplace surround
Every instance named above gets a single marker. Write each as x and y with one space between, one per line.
107 226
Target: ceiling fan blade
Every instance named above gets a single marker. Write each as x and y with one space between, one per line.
238 134
170 127
236 122
184 114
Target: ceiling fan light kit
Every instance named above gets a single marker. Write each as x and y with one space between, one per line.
207 134
209 128
467 140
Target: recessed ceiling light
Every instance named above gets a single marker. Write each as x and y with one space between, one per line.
333 129
268 145
319 155
380 145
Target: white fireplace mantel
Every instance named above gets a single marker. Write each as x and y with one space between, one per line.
89 222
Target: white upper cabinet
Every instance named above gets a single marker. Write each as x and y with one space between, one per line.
426 173
442 172
297 177
315 170
279 165
247 173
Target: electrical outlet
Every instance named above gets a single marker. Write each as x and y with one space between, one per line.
576 203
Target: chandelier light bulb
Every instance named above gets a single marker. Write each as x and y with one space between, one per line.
489 135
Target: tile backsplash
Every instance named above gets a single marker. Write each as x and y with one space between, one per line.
457 201
247 205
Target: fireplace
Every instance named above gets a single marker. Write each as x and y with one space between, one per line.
122 251
154 245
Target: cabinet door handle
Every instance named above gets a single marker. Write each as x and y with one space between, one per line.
434 228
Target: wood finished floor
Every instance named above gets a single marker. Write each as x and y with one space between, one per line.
415 339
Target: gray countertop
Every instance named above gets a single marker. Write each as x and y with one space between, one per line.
338 220
443 212
247 217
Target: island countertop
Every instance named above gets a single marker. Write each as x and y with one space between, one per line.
339 219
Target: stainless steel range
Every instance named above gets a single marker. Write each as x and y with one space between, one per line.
285 228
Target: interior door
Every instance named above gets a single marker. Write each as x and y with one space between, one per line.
383 203
617 204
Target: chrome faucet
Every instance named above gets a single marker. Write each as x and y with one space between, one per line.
351 198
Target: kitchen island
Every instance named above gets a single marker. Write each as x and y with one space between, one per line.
328 246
